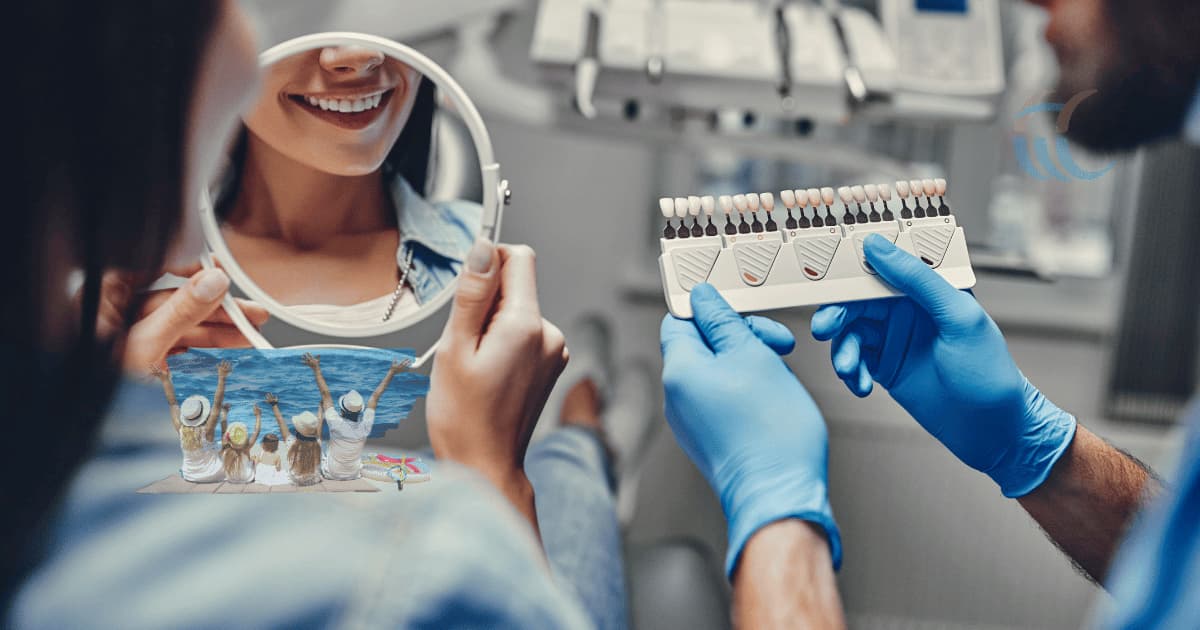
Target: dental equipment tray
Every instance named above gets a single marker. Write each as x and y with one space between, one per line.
815 255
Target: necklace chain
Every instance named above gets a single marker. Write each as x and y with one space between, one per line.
391 307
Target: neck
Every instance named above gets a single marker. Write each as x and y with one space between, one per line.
295 203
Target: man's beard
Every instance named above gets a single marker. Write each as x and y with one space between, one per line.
1149 82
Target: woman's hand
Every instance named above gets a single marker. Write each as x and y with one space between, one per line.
311 360
173 320
496 363
272 399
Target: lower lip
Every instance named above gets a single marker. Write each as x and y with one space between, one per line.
345 120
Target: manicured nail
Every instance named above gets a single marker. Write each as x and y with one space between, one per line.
211 285
479 260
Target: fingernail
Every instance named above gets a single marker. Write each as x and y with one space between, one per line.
211 285
479 260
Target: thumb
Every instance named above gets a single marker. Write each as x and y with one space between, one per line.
476 293
721 326
151 338
912 277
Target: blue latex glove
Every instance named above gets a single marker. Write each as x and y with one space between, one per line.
750 427
944 360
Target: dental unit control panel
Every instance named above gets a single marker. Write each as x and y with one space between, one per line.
813 256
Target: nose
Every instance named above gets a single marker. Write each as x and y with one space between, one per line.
350 61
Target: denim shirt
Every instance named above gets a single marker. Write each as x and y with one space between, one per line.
439 233
449 553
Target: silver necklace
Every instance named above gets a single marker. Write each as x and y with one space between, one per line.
391 307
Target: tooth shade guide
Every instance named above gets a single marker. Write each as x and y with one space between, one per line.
752 202
666 206
787 198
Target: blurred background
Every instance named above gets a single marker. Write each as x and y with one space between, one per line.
597 108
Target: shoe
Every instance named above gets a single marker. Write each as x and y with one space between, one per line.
631 420
589 342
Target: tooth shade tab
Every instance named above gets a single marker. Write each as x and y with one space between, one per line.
828 196
739 202
902 189
694 205
940 186
788 198
767 200
885 192
667 206
917 187
752 202
802 198
846 194
872 192
681 207
708 204
930 187
860 195
726 204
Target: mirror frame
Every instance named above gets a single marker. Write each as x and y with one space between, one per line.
495 196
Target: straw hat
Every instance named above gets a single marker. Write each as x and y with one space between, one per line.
306 423
238 434
194 411
351 401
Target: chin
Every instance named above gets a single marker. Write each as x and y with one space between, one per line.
1123 116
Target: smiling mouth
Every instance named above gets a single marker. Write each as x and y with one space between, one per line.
346 112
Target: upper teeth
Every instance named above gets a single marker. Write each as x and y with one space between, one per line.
346 105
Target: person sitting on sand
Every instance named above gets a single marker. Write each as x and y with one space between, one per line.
235 447
302 449
196 422
268 465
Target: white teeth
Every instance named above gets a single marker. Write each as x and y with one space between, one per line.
739 202
346 105
694 205
827 195
860 195
872 192
885 191
709 204
666 205
359 105
902 189
752 201
726 204
312 100
802 198
323 104
930 187
917 187
846 194
681 207
767 200
788 197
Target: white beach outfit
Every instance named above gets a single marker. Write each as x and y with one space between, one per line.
346 441
201 465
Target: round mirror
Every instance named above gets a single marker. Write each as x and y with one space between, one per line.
356 187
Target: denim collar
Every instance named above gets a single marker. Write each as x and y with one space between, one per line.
421 222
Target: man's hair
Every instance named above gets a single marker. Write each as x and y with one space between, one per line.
104 176
1150 81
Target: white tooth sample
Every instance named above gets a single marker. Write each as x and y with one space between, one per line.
860 195
846 195
917 187
666 205
681 207
930 187
767 200
752 201
802 198
814 197
739 202
708 204
827 195
694 205
940 187
726 204
359 105
872 192
902 189
788 197
345 106
885 192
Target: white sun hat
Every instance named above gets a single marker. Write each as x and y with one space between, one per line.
306 423
194 411
238 434
351 401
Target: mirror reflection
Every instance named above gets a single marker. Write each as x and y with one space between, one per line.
348 195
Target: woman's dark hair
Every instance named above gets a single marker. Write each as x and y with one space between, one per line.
270 442
409 157
99 184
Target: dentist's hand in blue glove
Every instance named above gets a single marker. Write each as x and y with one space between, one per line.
944 360
740 414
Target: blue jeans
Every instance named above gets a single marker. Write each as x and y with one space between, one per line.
576 509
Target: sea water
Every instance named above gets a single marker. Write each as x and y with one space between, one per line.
281 372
